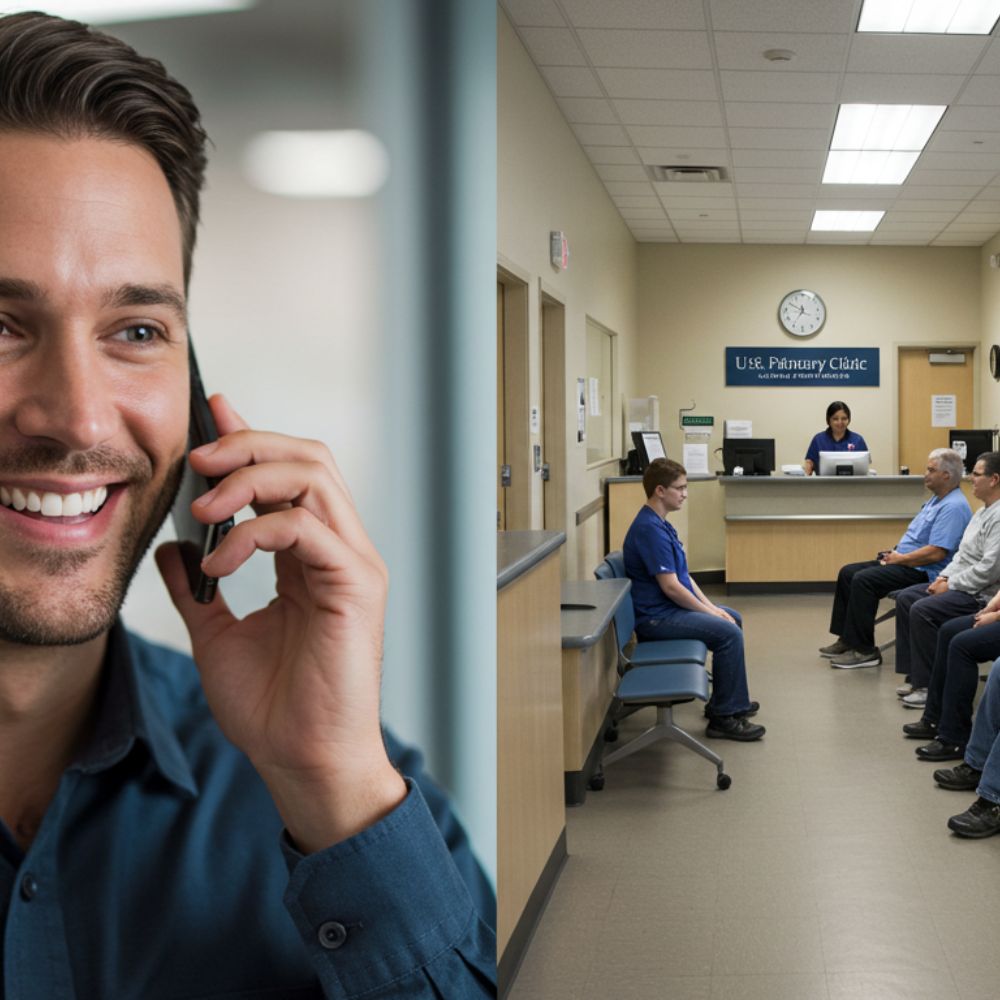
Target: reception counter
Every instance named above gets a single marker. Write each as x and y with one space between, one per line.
802 529
531 813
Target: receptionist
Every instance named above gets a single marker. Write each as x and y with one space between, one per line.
836 437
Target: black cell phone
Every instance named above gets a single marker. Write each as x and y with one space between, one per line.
197 540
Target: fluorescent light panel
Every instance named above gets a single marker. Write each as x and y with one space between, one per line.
116 11
346 163
937 17
852 166
845 222
886 126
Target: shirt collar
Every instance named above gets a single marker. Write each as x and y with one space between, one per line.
127 713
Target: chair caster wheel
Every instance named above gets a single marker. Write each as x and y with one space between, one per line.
610 734
723 781
596 782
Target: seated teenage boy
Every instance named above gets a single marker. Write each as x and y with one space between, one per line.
670 605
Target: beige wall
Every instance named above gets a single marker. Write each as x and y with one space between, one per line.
989 412
696 300
545 182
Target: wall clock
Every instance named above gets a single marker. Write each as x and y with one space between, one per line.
802 313
995 362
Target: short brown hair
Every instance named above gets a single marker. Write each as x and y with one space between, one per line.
62 78
661 472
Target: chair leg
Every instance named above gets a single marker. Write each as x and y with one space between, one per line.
664 729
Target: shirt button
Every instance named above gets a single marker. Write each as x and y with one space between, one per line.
29 888
332 934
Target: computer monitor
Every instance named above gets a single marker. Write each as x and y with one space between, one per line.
970 445
844 463
755 456
648 445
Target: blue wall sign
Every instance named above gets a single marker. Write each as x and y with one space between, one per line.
823 366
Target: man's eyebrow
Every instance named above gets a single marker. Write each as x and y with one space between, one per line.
21 290
147 295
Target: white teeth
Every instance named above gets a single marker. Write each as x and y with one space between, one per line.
54 504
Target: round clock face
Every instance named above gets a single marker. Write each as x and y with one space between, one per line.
802 313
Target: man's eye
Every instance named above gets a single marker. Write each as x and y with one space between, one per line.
140 334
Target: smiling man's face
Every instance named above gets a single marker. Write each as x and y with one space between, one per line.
93 378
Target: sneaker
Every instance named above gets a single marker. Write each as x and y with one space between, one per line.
916 699
855 658
834 649
904 689
939 750
922 730
734 727
962 778
981 819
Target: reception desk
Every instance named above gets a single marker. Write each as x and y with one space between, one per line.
531 813
802 529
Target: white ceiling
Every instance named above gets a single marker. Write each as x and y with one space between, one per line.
646 82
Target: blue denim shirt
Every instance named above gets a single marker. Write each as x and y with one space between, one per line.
161 871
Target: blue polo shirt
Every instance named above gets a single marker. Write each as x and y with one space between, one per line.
652 546
824 441
161 871
941 522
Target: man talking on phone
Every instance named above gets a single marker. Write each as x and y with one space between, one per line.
243 828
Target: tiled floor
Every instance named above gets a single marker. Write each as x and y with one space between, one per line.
825 871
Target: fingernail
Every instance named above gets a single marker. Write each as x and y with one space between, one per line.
206 449
206 498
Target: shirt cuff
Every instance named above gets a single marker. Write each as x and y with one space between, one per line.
380 905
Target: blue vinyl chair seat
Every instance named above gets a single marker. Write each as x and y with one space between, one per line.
668 682
669 651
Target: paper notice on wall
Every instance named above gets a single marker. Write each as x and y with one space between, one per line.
595 397
944 411
696 459
581 410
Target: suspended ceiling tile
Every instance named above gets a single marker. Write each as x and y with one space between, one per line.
553 47
779 138
777 205
587 111
939 193
622 172
899 53
959 178
764 225
720 214
660 84
657 239
677 15
787 115
533 12
637 214
786 158
776 175
647 49
739 85
983 90
991 61
670 202
671 154
755 215
694 189
960 161
896 241
677 136
571 81
782 15
637 201
704 225
611 154
900 88
964 144
948 241
813 52
767 238
653 112
903 203
902 215
628 187
777 190
600 135
970 119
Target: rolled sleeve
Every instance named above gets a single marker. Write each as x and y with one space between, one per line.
386 913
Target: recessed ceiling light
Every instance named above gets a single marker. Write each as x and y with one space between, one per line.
849 222
932 17
853 166
114 11
346 163
886 126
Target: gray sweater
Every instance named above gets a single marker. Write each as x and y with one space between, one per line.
975 568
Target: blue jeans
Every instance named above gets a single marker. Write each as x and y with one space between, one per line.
983 751
729 672
952 690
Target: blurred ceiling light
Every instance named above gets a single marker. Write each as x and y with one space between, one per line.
848 222
944 17
114 11
346 163
886 126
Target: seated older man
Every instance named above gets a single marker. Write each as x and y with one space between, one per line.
929 542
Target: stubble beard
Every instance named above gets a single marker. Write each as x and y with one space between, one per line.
87 611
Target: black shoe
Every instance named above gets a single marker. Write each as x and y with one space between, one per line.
734 727
938 750
981 819
751 711
922 730
959 779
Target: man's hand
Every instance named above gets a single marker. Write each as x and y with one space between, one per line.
939 586
986 617
294 685
714 609
892 558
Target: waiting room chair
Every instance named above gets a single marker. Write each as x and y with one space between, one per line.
662 673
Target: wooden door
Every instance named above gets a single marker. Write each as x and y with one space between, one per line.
501 416
919 380
553 381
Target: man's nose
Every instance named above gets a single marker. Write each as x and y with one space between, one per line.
67 397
